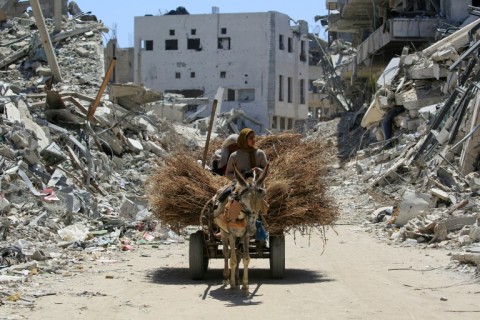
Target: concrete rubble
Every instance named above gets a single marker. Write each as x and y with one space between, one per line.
418 153
71 189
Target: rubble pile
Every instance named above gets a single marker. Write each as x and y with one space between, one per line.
73 163
423 167
75 157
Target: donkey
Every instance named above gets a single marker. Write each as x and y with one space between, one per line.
236 219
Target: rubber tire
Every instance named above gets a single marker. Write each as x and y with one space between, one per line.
277 256
196 259
205 264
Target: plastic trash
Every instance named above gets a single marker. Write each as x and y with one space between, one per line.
74 232
127 247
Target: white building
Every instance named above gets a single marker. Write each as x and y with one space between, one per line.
261 59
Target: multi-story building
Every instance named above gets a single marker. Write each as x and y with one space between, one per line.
260 59
323 104
378 30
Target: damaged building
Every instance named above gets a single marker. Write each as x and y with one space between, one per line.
365 35
410 72
73 147
262 65
75 153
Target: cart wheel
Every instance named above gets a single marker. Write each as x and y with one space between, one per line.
205 264
197 263
277 256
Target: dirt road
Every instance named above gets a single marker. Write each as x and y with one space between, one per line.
354 278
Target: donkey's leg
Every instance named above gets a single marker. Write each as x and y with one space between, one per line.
226 254
233 260
246 260
237 270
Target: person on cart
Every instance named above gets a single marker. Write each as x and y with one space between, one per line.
250 161
219 161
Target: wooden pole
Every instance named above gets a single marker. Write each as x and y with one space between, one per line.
45 37
210 126
93 107
58 16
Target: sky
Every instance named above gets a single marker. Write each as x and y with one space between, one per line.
119 15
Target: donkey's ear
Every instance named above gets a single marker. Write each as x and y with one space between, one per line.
263 175
239 176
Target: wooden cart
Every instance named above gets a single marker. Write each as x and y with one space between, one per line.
205 244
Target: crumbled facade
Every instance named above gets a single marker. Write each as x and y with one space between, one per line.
259 58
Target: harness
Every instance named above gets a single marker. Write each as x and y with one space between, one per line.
237 214
235 197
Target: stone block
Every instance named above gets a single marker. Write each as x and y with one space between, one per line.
413 204
20 139
156 149
458 223
135 145
440 194
82 52
128 209
53 155
473 180
31 157
4 205
475 233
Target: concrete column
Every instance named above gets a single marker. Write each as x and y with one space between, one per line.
58 15
139 61
45 37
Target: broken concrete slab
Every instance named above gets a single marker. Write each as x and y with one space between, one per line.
130 208
413 204
457 223
420 72
12 114
446 52
467 258
21 139
135 145
53 155
418 97
440 194
373 114
156 149
473 180
42 136
82 52
4 205
132 96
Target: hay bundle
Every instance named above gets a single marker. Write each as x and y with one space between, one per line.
178 191
296 189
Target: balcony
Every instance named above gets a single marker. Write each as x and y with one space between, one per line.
398 32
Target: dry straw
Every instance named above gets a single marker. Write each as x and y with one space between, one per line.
296 186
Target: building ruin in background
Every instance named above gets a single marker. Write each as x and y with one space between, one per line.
261 60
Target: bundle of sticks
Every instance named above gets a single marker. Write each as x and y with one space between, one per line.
296 186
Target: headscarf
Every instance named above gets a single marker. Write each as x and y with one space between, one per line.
224 152
242 143
231 139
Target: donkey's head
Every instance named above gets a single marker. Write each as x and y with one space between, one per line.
251 196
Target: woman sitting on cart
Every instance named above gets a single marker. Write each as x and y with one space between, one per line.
250 161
